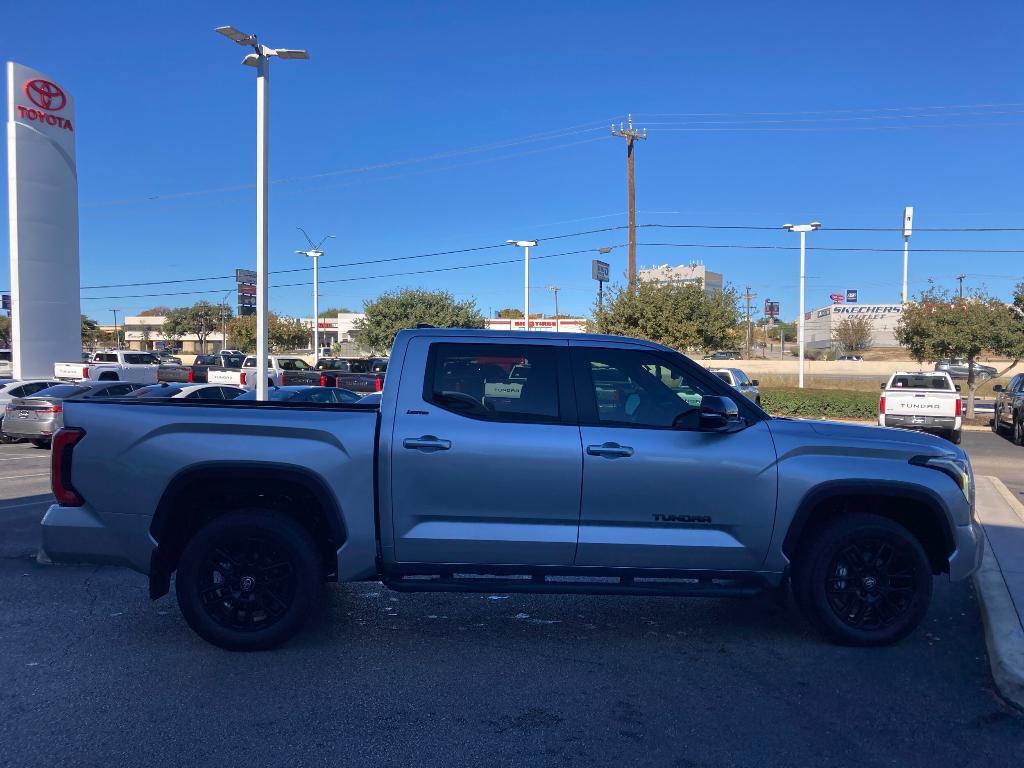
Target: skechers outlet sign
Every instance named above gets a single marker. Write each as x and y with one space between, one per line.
867 309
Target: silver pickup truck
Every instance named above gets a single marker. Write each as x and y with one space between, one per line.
512 462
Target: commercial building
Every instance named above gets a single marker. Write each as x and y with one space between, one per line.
694 272
563 324
820 324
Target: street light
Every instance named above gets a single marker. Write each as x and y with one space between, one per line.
117 336
908 227
260 58
315 253
803 229
525 245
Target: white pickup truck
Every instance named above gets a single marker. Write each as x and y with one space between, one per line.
282 370
113 365
926 401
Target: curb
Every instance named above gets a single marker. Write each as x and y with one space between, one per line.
1004 634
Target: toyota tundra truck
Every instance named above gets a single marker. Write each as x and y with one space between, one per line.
282 371
512 462
927 401
112 365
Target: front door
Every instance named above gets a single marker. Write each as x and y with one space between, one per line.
486 463
658 492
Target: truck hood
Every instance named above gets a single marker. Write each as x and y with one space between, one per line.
858 439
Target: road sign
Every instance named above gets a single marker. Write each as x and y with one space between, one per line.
771 308
837 298
599 270
851 295
247 276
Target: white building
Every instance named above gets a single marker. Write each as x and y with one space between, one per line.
819 324
694 272
563 324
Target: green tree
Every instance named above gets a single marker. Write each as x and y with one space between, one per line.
510 313
940 324
679 315
5 331
334 311
388 314
283 334
852 334
159 311
200 320
94 336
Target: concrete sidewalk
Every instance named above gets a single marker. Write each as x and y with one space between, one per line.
1000 585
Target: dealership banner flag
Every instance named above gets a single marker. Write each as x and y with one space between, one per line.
42 186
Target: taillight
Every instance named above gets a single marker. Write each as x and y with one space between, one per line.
323 380
881 404
378 384
241 378
959 407
85 372
191 376
51 409
60 466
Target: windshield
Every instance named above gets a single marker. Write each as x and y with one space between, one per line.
5 355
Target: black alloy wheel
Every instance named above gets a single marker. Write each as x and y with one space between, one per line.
248 580
871 583
1018 430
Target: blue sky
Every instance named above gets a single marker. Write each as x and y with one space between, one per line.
425 127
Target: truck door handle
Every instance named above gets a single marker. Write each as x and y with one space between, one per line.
610 450
427 443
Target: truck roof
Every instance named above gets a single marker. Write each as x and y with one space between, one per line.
485 333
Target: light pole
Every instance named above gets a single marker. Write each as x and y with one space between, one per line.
260 59
315 253
555 289
803 229
117 336
223 321
525 245
908 225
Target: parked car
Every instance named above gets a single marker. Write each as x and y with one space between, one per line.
1008 410
12 388
927 401
112 365
37 417
6 364
851 358
166 357
373 398
282 370
189 391
737 379
723 355
465 480
298 394
958 369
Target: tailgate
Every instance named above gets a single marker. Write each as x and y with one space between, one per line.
288 378
225 376
899 402
74 371
181 374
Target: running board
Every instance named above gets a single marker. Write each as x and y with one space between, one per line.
585 585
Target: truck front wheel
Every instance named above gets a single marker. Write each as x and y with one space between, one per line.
863 580
249 579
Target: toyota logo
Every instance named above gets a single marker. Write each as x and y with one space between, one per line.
45 95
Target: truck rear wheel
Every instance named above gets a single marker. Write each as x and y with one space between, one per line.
863 580
248 580
955 436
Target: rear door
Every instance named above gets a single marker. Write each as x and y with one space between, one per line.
657 492
485 469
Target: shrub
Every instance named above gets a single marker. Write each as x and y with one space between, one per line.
820 403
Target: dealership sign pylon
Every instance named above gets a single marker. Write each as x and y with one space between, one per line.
42 185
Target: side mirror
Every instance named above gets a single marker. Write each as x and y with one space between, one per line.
995 388
882 385
755 383
718 414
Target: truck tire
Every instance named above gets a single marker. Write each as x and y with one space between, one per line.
862 580
248 580
1018 430
956 436
41 442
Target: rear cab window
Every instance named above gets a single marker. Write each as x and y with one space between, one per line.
496 382
921 381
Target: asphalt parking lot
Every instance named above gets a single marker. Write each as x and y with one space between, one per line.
93 673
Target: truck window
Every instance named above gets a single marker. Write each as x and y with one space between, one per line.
141 359
921 382
640 389
475 380
105 357
293 364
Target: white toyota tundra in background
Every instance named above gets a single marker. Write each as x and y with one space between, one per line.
926 401
113 365
282 370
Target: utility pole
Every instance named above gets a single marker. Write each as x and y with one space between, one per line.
961 277
748 296
117 335
628 133
555 289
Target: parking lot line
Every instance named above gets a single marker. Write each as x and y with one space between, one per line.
26 458
29 504
22 477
